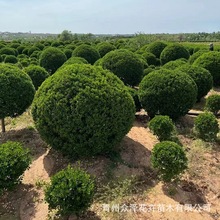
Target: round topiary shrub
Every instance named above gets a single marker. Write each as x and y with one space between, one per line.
156 48
7 51
70 192
170 160
211 62
16 91
213 103
68 53
20 49
172 65
87 52
83 110
150 58
173 52
206 126
73 60
14 160
202 78
10 59
32 49
38 74
167 92
125 64
104 47
194 56
51 59
162 126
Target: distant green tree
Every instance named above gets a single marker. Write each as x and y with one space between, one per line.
65 36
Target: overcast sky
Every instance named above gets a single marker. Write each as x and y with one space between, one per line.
110 16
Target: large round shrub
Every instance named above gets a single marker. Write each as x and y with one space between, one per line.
211 62
194 56
70 192
150 58
104 47
213 103
172 65
7 51
206 126
202 78
156 48
38 74
14 160
167 92
173 52
16 91
10 59
51 59
162 126
87 52
170 160
83 110
125 64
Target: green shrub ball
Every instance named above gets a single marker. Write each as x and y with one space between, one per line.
14 160
170 160
51 59
83 110
167 92
211 62
206 126
16 91
213 103
125 64
70 192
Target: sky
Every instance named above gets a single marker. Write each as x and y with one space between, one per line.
110 16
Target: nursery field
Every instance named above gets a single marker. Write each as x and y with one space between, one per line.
123 179
109 129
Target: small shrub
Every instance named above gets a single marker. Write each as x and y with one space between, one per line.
172 65
37 74
104 48
51 59
213 103
125 64
162 126
156 48
173 52
71 191
10 59
14 160
211 62
7 51
150 58
170 160
167 92
206 126
201 76
87 52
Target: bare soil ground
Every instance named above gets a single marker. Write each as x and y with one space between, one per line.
127 186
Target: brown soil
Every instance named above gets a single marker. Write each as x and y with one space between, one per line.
200 185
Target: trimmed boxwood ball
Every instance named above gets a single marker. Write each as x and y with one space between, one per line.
104 47
172 65
194 56
7 51
156 48
162 126
83 110
202 78
167 92
213 103
125 64
173 52
87 52
16 91
51 59
10 59
211 62
73 60
38 74
170 160
150 58
14 160
71 191
206 126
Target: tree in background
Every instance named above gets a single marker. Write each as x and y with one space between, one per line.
65 36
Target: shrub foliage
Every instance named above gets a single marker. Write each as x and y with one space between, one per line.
213 103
